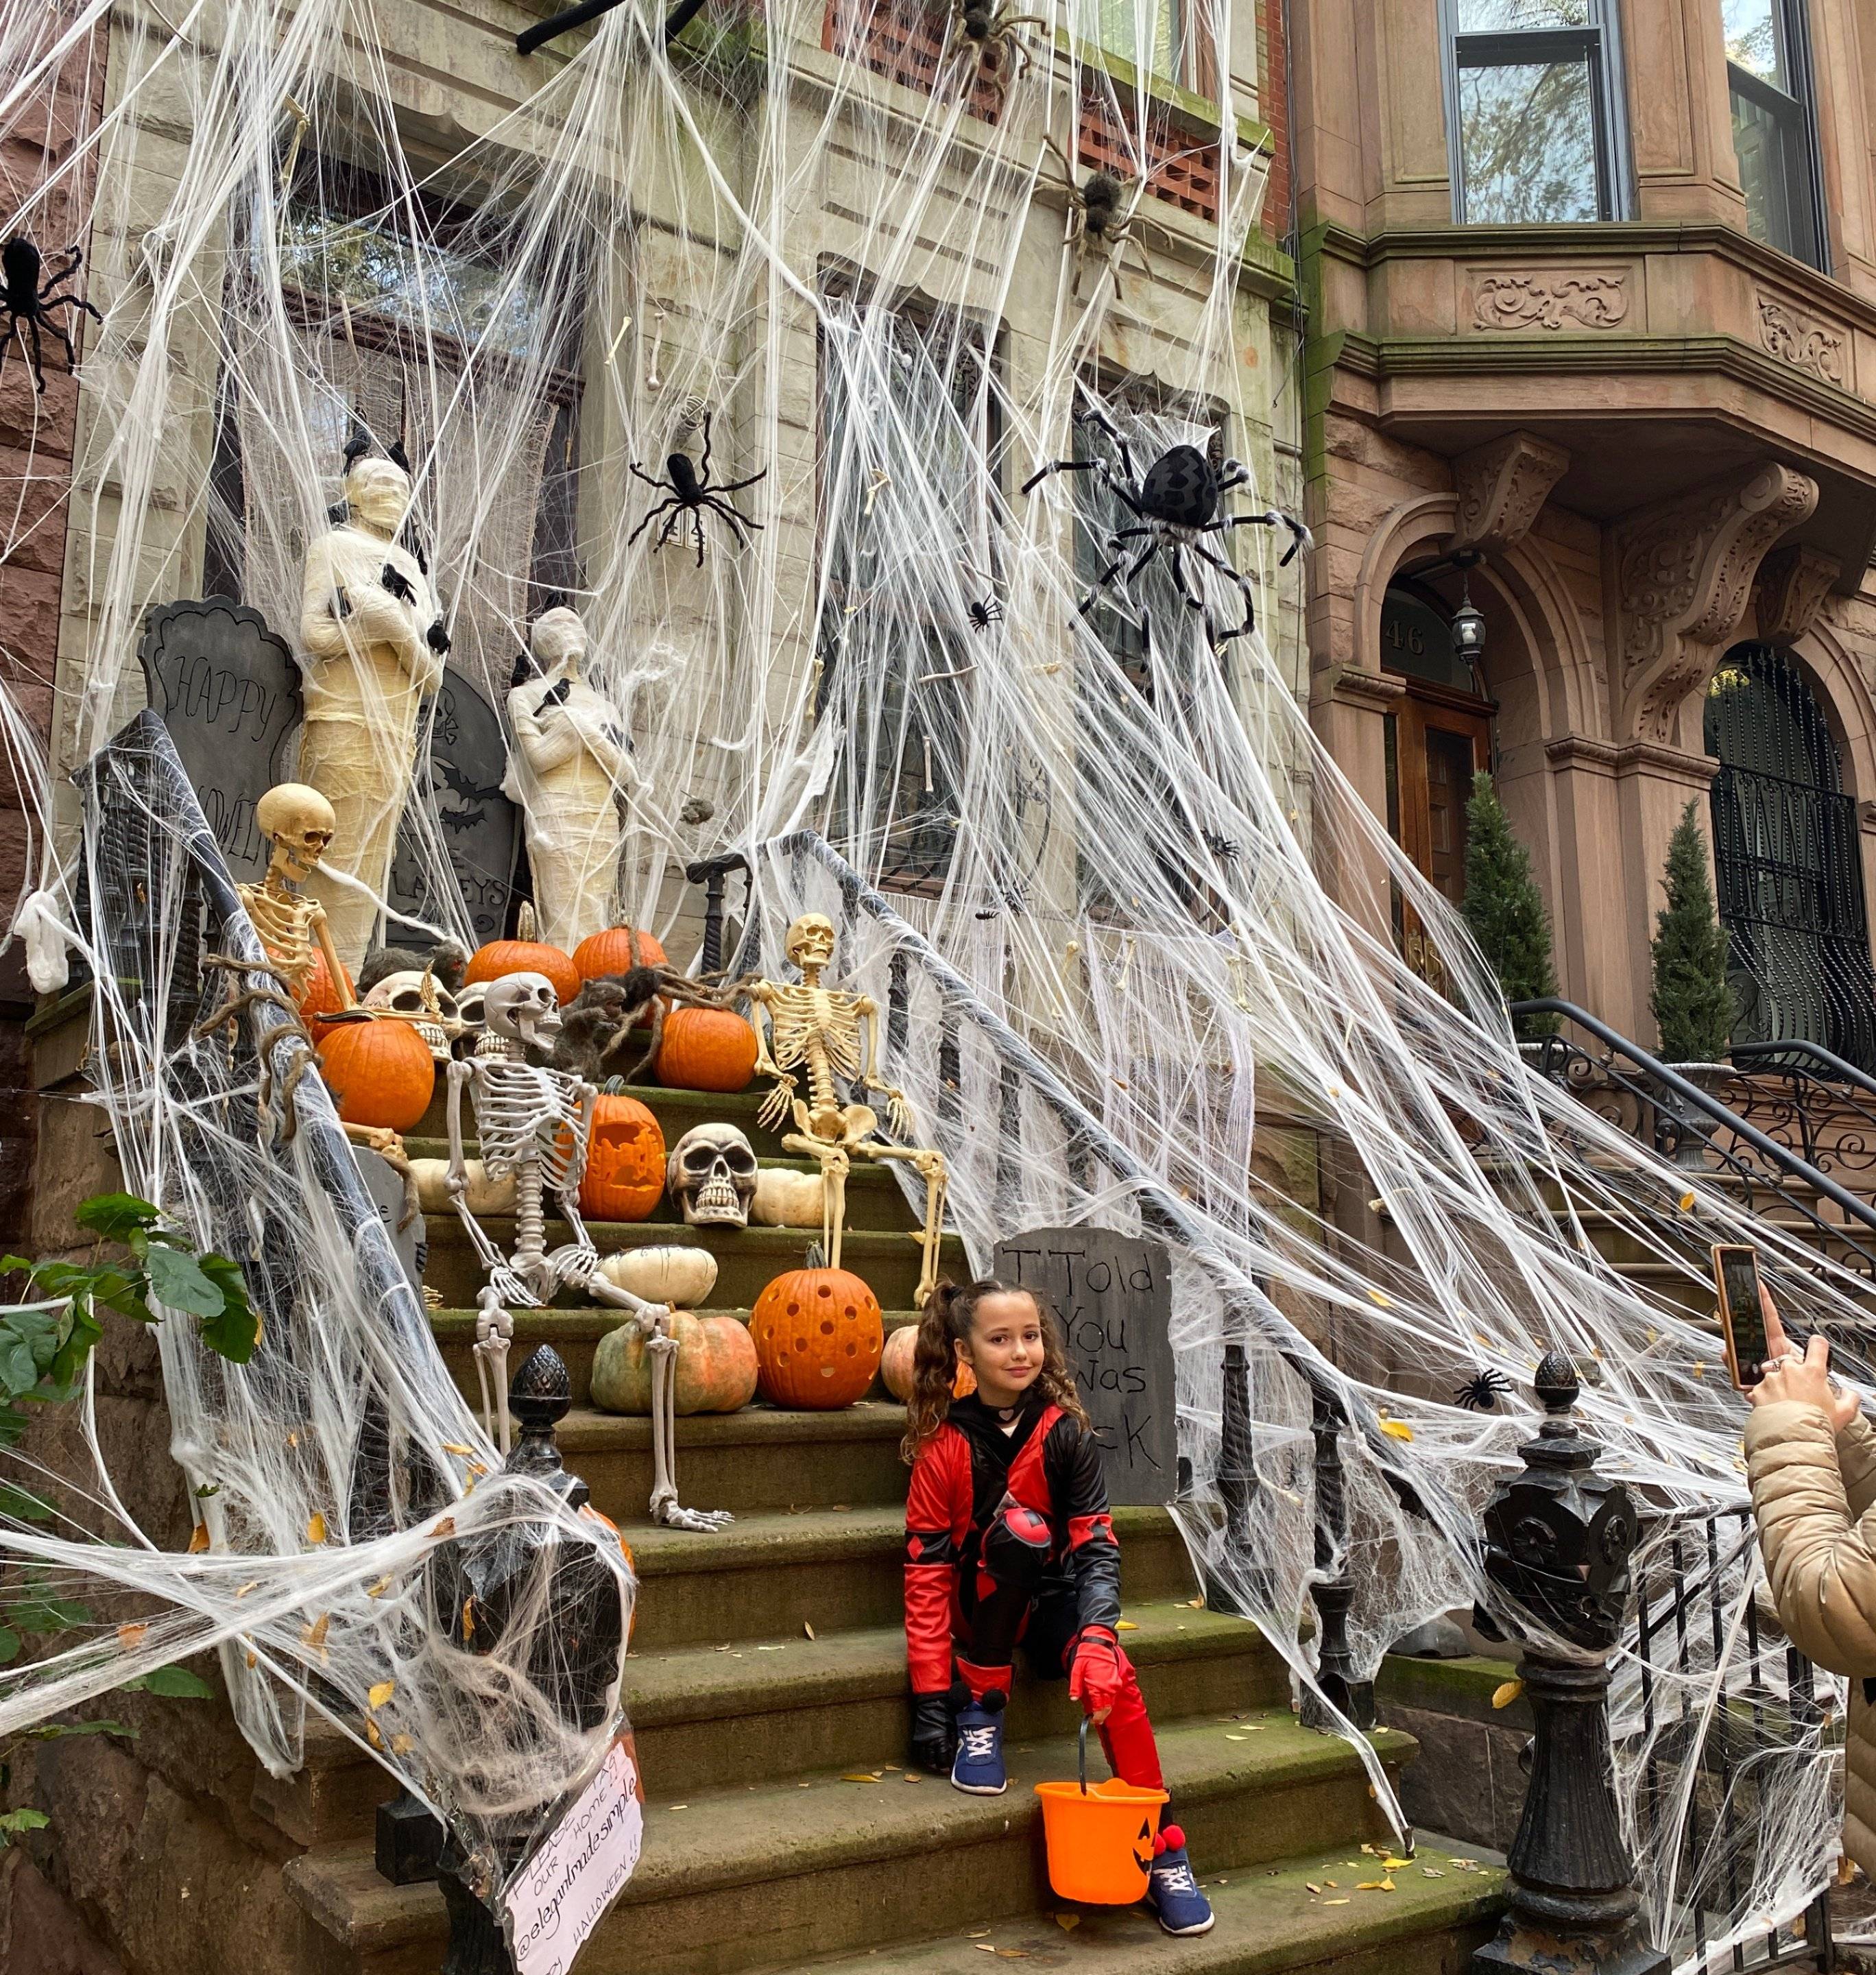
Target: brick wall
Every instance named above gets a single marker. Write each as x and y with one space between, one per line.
37 433
1273 107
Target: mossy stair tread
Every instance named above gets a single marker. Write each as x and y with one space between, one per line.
762 1542
588 1326
805 1825
864 1175
586 1428
787 1244
756 1676
1268 1922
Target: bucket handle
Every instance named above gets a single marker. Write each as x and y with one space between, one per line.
1084 1755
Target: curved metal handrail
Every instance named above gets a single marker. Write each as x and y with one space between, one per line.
1841 1072
1690 1094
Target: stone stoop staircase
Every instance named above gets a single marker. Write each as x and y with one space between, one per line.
782 1830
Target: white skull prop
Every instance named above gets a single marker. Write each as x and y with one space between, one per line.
523 1008
299 822
470 1011
416 998
712 1176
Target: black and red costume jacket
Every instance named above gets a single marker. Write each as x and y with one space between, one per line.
960 1481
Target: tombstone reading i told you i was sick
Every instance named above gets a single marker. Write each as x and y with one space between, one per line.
1112 1295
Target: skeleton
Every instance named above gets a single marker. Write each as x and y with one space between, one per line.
818 1030
536 1124
712 1176
417 998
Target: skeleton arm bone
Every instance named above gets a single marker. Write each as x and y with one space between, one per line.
335 967
899 1112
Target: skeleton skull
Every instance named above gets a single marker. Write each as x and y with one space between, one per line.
523 1008
810 941
469 1010
416 998
712 1176
299 822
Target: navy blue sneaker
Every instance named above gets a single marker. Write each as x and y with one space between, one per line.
1172 1892
977 1768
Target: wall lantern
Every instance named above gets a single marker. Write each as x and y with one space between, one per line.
1468 622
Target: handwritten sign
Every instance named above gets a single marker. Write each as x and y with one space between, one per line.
229 691
1112 1295
560 1893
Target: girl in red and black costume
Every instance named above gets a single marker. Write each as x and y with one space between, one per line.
1009 1541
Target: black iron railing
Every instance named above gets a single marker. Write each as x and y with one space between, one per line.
1811 1101
1729 1704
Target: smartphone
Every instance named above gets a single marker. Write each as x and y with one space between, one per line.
1741 1313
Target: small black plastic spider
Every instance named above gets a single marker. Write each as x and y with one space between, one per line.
982 612
28 305
1177 501
1482 1392
691 491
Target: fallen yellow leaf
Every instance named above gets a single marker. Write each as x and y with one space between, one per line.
1384 1301
1397 1429
447 1527
860 1776
1068 1922
1428 1872
1342 1902
381 1693
807 1628
1687 1202
314 1635
402 1745
450 1447
1394 1865
1126 1626
198 1539
468 1620
1503 1697
1312 1886
379 1588
253 1659
316 1528
130 1637
252 1584
372 1735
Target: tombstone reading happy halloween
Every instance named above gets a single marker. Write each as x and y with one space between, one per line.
229 691
1112 1295
461 783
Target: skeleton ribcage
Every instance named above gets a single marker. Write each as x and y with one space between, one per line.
799 1023
524 1113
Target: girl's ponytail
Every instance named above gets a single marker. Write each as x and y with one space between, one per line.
934 1365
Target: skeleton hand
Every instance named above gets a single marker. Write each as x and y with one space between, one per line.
776 1106
898 1110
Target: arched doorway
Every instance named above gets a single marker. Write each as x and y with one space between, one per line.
1437 737
1786 860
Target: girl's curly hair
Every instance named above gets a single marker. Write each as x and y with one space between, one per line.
945 1325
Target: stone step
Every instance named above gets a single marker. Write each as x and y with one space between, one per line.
676 1111
748 1259
810 1867
576 1335
1269 1922
843 1569
709 1718
874 1198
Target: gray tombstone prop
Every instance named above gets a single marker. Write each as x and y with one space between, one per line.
385 1185
1112 1295
229 691
479 827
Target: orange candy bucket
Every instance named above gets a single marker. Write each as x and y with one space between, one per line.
1100 1840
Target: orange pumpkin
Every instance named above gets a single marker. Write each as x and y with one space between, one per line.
524 954
818 1334
896 1363
716 1366
616 950
624 1176
706 1049
319 997
379 1073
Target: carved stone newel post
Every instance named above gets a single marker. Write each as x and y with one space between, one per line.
1558 1538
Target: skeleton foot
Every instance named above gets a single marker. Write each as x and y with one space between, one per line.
665 1507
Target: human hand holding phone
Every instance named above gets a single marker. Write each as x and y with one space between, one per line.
1806 1380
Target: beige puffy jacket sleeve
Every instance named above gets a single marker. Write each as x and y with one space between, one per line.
1812 1492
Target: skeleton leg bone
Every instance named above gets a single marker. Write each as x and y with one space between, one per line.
665 1507
930 1167
494 1330
835 1165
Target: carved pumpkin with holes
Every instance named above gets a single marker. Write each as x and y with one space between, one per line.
379 1073
624 1176
818 1334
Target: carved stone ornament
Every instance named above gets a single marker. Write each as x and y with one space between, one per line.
1800 340
1538 299
1502 487
1793 583
1683 571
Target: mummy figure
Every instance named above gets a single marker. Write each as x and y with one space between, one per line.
535 1125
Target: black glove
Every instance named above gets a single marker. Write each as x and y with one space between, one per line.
934 1735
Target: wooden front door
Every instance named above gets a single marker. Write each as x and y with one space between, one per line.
1440 743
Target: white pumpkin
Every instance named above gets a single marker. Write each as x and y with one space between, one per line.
786 1198
484 1195
681 1276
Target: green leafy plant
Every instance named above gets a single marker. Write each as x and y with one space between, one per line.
44 1346
1504 910
1693 1001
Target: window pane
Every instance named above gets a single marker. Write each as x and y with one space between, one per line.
1768 149
1529 143
1501 17
1143 32
1753 41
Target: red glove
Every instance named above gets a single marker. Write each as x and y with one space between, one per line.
1094 1678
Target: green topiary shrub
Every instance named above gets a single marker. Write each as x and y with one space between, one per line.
1692 1001
1504 910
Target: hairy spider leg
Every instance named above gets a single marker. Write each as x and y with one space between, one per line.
1100 583
704 465
651 515
663 486
38 354
74 259
737 519
737 486
1244 584
1094 416
42 320
1062 466
697 528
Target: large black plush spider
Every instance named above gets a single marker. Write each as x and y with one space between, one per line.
29 305
1482 1392
691 492
1177 501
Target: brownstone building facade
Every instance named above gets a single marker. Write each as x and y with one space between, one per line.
1592 287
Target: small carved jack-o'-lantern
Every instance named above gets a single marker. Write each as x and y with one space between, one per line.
624 1176
819 1335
